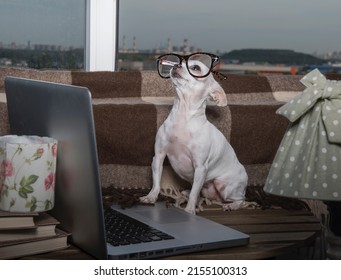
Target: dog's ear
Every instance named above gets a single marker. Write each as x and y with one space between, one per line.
218 95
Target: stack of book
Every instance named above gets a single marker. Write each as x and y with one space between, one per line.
23 234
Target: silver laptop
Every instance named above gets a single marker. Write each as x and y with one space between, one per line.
64 112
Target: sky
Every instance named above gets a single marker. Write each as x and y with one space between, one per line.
50 22
302 25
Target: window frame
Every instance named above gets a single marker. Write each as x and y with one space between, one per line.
101 46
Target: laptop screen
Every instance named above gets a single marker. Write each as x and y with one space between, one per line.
64 112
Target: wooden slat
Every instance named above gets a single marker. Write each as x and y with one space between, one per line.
276 228
213 211
71 253
259 219
282 237
252 251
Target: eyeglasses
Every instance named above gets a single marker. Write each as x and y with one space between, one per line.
207 62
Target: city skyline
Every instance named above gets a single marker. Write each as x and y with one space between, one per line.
165 47
123 48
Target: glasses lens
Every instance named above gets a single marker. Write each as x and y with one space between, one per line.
165 63
199 64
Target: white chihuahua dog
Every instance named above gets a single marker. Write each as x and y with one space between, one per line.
197 151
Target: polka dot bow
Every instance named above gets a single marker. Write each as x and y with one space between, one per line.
322 97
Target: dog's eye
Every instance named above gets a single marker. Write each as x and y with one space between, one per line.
195 68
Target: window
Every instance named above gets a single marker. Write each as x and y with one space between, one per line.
83 34
43 34
249 36
63 34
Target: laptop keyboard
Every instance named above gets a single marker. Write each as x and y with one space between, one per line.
123 230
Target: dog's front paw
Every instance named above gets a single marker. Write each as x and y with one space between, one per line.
149 199
190 210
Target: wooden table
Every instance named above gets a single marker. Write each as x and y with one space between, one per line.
274 233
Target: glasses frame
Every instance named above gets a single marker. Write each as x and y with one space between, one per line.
214 60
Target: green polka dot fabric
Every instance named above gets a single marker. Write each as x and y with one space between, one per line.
308 160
